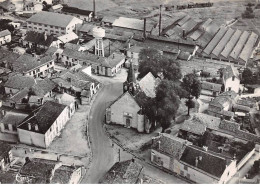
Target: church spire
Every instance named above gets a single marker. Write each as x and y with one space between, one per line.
131 74
130 83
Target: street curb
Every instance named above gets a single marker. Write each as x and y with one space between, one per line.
142 159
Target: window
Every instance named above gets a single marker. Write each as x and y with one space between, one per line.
6 127
46 29
51 129
35 27
229 89
51 26
67 58
233 78
185 168
57 31
50 63
40 28
40 24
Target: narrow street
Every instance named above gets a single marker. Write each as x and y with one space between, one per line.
103 153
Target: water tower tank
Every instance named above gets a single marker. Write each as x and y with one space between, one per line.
98 32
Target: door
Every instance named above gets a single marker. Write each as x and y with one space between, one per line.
128 122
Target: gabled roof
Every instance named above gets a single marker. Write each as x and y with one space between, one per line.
66 99
230 71
44 117
148 84
63 174
199 122
19 81
68 37
51 18
208 161
172 145
39 169
13 118
39 38
27 62
126 172
4 149
5 33
210 86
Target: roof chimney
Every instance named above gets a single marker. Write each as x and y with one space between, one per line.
45 36
29 126
144 34
196 162
36 127
205 148
183 34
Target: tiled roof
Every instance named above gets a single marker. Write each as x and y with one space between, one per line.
51 50
172 145
210 86
126 172
86 27
40 169
43 86
44 117
5 33
19 81
39 38
51 18
230 71
27 63
208 161
66 99
13 118
148 84
4 149
20 95
63 174
199 122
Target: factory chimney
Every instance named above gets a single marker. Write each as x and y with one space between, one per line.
144 27
94 8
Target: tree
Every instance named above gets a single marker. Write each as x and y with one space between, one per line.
151 60
167 103
192 86
247 76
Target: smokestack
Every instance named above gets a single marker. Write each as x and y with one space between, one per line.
160 20
94 8
144 27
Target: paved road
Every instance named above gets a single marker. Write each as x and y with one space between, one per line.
103 153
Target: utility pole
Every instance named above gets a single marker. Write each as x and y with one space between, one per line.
160 20
119 155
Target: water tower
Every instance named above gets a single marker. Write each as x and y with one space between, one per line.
99 33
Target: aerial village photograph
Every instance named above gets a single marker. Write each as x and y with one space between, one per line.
129 92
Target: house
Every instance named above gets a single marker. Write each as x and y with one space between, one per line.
8 6
132 55
7 58
222 104
24 91
69 101
62 40
148 84
37 40
85 30
76 83
41 171
39 130
5 37
109 66
126 172
10 122
32 66
210 89
33 6
204 166
6 155
166 148
82 14
231 79
52 23
71 57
